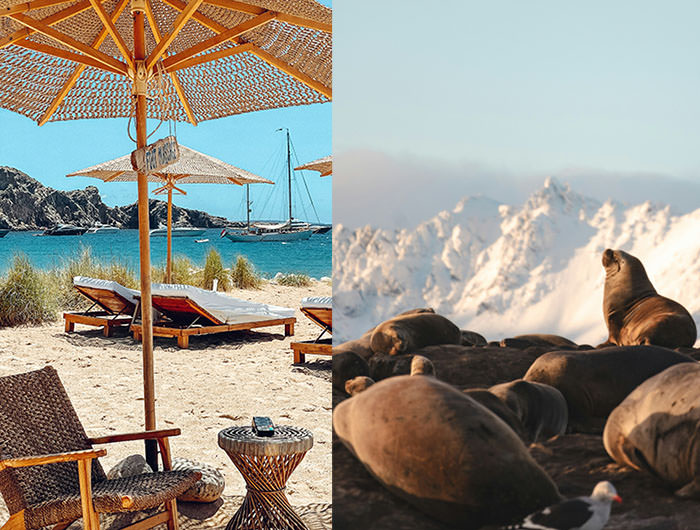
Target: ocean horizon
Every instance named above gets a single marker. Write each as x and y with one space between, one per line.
311 257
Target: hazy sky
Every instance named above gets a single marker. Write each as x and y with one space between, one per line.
248 141
472 97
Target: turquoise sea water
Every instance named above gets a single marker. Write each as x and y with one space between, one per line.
312 257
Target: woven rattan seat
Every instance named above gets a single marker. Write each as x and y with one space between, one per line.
38 422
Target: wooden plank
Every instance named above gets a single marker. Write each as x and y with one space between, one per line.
131 436
178 24
64 54
317 348
149 522
85 480
50 20
15 522
179 90
321 316
210 43
71 456
305 23
29 6
113 32
107 299
206 58
70 83
296 74
71 42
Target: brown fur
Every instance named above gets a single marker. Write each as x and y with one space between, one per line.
634 312
657 429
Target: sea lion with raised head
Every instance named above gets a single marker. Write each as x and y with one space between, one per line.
657 429
443 452
358 384
594 382
635 313
409 332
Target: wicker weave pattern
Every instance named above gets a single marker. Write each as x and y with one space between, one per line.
37 418
148 491
30 81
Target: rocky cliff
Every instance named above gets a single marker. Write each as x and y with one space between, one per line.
26 204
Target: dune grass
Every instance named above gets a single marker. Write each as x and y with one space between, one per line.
27 296
214 270
293 280
244 276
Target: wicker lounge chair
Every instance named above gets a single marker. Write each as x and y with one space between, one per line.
319 309
117 302
49 472
188 310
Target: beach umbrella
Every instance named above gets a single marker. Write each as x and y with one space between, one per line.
322 165
192 167
185 60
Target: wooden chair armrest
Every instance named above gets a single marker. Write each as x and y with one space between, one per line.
72 456
147 435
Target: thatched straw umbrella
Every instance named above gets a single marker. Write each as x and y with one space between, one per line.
186 60
192 167
322 165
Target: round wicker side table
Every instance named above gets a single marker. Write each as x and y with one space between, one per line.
266 464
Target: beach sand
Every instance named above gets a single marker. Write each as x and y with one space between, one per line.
221 380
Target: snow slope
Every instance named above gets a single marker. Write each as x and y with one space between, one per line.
502 270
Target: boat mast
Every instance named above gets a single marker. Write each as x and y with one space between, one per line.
289 177
247 205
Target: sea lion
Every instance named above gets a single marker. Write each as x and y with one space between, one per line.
358 384
539 340
409 332
472 338
594 382
422 366
541 409
657 429
347 365
635 313
442 452
499 408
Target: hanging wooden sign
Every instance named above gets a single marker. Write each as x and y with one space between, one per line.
154 157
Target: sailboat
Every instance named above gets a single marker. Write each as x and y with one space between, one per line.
289 230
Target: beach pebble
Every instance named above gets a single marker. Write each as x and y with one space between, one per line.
130 466
207 489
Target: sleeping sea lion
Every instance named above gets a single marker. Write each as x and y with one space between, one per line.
657 429
409 332
443 452
635 313
594 382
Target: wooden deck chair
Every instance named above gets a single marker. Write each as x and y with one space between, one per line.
188 310
117 304
318 309
49 472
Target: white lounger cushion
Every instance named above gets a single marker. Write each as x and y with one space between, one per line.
225 308
321 302
107 285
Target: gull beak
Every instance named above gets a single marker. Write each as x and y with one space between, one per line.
617 498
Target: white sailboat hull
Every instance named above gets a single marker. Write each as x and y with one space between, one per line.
245 237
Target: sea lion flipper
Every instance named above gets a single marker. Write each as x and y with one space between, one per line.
690 490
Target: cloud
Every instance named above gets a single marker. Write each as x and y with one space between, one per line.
390 192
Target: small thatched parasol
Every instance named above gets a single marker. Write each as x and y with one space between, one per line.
192 167
322 165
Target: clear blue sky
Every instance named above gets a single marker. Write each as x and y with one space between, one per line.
484 96
248 141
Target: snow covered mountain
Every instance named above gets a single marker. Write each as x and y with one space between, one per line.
503 270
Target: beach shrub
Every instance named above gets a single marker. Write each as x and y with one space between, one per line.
184 272
26 296
85 264
214 270
293 280
243 275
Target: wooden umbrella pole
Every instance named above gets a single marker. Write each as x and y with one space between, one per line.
137 10
169 265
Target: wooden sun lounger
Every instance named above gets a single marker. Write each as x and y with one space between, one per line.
186 318
322 317
116 312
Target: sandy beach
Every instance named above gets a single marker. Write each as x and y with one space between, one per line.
221 380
